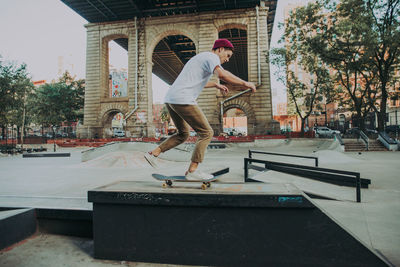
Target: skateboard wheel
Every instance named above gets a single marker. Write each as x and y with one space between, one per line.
208 184
204 186
164 185
169 182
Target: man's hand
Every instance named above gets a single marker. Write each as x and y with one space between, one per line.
224 90
251 86
232 79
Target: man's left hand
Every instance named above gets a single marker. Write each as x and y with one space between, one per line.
224 90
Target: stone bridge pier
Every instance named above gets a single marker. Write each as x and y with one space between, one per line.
162 45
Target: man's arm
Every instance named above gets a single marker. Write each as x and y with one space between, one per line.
221 87
232 79
210 84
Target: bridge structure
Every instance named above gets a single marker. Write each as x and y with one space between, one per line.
160 37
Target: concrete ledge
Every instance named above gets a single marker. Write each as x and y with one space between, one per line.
253 224
190 195
16 225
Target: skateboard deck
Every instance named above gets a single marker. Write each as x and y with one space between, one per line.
168 180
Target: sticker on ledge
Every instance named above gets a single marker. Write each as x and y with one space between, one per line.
290 199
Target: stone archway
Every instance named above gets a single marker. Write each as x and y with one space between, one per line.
155 36
247 109
107 113
106 60
171 54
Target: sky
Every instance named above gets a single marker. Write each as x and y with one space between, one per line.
41 32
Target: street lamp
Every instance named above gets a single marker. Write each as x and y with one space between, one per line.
54 137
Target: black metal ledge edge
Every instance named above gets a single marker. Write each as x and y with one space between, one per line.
63 214
201 200
46 155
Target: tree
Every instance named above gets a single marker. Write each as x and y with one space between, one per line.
300 27
15 88
77 96
58 102
385 49
364 54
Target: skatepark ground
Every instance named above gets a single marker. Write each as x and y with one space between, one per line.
63 183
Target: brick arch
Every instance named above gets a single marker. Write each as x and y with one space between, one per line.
108 36
247 109
243 105
158 36
232 26
223 24
155 35
106 110
113 36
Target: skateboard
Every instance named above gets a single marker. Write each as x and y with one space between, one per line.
168 180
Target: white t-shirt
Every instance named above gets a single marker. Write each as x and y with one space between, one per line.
192 79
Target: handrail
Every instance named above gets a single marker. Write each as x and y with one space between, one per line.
365 138
339 138
386 138
285 155
388 142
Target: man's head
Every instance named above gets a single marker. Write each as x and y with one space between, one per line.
224 49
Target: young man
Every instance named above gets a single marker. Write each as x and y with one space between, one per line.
183 109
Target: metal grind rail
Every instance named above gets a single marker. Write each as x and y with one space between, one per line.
251 152
365 139
332 176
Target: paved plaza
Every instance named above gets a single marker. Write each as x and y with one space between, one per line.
64 182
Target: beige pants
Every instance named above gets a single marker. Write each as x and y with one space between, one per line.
184 116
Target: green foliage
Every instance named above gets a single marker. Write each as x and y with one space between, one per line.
385 49
78 94
358 40
342 45
15 88
297 58
58 102
362 43
21 103
165 117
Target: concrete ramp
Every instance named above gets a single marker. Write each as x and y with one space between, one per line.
304 144
334 157
121 159
178 154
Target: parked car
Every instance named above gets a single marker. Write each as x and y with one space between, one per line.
325 132
234 132
119 133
